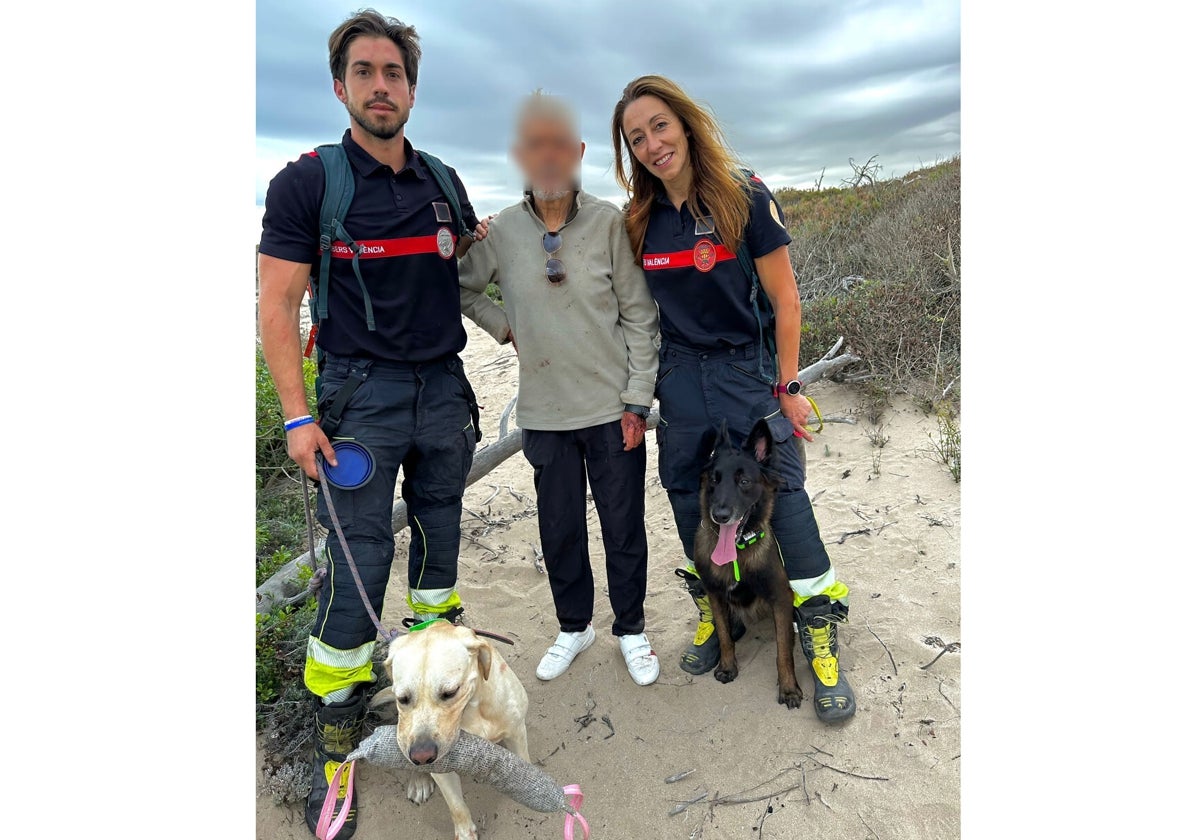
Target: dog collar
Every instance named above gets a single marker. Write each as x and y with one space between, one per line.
746 539
749 538
414 628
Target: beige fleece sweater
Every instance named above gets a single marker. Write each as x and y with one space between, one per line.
585 347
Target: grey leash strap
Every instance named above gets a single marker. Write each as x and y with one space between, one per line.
318 578
362 590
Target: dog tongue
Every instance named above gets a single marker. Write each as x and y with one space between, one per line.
726 550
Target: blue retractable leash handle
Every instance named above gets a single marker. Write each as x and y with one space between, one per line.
355 465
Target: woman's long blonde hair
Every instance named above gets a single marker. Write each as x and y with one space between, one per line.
717 181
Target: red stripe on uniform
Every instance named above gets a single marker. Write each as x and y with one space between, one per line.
681 259
373 249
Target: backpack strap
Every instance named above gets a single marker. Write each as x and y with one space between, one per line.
761 304
442 175
339 193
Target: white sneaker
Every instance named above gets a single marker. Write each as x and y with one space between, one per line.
639 658
563 652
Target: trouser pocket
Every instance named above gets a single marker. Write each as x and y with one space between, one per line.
456 369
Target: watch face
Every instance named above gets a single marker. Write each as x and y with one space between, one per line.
793 388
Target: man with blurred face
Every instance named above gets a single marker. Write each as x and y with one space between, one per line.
577 307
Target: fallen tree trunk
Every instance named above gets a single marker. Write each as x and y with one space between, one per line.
829 364
283 586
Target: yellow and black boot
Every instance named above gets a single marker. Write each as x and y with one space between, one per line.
338 730
702 654
816 621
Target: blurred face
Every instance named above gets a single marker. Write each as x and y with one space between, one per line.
657 137
376 91
549 154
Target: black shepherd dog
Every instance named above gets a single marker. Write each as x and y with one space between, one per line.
735 551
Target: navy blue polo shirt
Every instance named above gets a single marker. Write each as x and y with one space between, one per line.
703 294
408 264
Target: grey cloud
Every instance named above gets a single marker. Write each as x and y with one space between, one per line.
790 81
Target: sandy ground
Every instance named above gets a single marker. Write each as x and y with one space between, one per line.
891 772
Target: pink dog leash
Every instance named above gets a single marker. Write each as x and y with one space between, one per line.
574 797
329 825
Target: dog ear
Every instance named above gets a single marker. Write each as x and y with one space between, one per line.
481 648
725 440
709 442
387 665
760 444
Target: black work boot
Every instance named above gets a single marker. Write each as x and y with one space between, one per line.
816 621
702 654
338 731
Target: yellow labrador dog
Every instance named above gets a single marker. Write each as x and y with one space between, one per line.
446 678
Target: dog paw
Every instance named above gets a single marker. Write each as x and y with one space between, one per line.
726 675
420 788
466 833
791 697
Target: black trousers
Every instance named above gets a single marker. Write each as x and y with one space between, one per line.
564 463
413 415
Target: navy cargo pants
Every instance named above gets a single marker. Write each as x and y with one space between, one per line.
564 463
697 390
413 415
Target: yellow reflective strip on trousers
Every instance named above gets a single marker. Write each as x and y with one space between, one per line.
322 680
421 607
837 591
326 669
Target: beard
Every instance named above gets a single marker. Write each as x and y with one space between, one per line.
553 187
550 195
382 126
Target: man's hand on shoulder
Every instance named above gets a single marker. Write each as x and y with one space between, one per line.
481 232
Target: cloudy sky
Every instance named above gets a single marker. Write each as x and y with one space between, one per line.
798 85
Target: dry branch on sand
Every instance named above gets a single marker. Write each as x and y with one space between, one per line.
751 794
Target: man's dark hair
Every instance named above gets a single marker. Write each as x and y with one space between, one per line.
374 25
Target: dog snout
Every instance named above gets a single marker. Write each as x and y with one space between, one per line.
721 514
423 752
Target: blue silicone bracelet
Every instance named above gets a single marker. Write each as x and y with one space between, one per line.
298 422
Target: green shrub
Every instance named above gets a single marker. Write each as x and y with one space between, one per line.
273 466
904 333
280 533
947 446
280 641
879 265
281 701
